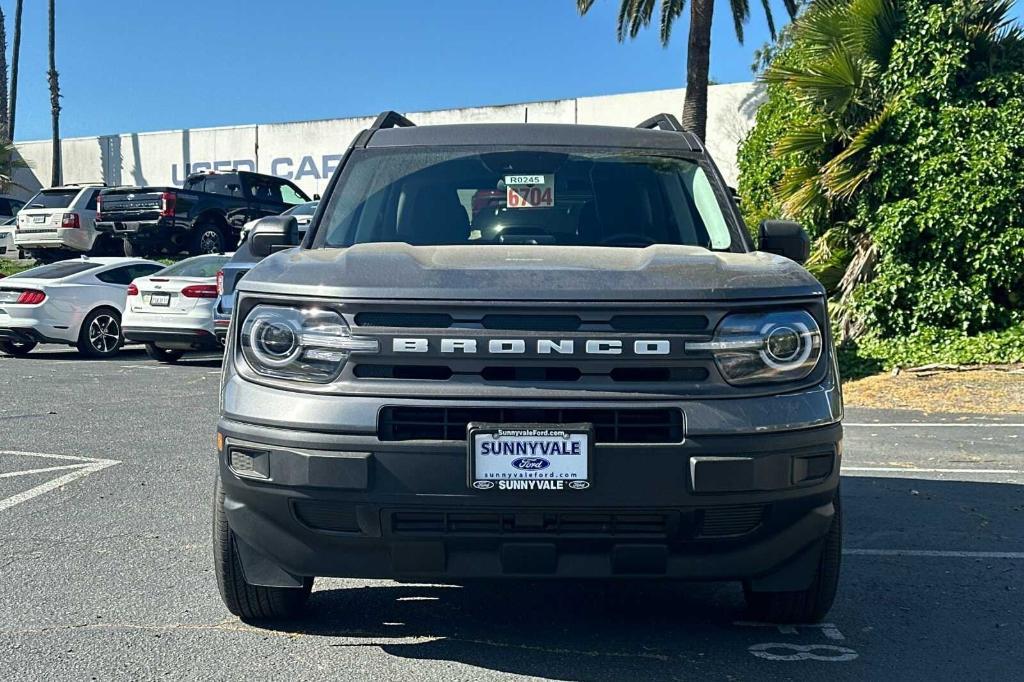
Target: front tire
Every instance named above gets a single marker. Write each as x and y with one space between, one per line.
810 605
18 349
100 336
165 355
133 250
248 602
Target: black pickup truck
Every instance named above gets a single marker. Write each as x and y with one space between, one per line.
205 216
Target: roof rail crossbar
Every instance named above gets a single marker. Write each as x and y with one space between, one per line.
391 119
666 122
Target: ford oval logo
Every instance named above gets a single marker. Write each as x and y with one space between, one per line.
530 463
483 485
579 485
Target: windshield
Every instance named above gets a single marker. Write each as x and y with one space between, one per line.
57 270
544 197
53 198
199 266
302 209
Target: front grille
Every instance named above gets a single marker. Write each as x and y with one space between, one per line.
729 521
646 323
652 425
512 373
578 524
338 518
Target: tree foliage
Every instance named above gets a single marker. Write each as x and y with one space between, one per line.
930 129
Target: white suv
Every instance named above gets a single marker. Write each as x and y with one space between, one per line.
59 222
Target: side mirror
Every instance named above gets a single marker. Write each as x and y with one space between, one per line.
316 197
273 233
784 238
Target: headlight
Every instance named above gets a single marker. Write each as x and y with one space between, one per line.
773 347
302 344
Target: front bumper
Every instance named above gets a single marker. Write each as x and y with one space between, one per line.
352 506
166 337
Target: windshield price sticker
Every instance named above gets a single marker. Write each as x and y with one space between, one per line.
530 191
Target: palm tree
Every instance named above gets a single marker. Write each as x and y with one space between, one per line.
55 176
16 52
636 14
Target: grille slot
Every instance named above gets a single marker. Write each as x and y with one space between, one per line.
650 374
328 516
654 425
538 323
730 521
666 324
614 524
414 320
418 372
514 373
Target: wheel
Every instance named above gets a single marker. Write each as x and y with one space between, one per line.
100 336
17 348
133 250
44 256
168 355
206 238
812 604
248 602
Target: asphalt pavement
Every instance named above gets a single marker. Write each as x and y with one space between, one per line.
106 475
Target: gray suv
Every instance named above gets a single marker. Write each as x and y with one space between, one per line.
528 351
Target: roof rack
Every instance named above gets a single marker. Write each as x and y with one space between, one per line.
666 122
391 119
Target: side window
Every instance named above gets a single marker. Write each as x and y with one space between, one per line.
290 196
91 204
6 207
121 275
17 205
265 190
143 270
197 184
228 185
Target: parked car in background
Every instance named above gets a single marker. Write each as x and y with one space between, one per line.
243 260
60 222
75 302
9 207
303 216
205 216
171 311
8 249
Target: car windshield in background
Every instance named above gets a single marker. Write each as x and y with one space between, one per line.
52 198
57 270
302 209
200 266
554 197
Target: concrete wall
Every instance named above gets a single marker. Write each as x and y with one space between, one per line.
309 151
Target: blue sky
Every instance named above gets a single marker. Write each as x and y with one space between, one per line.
135 65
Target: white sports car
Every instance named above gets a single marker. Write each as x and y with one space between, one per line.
171 311
75 302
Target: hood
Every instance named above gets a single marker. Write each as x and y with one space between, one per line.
552 273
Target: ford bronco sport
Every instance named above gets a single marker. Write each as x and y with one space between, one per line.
528 351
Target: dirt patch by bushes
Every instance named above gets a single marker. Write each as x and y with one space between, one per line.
992 390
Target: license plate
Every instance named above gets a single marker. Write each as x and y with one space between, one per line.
160 300
530 457
39 219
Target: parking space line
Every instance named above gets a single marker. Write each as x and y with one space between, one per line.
974 425
934 471
84 467
29 472
931 553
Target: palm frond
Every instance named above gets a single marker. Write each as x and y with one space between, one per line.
812 138
583 6
829 83
740 14
871 27
766 4
799 190
670 11
848 170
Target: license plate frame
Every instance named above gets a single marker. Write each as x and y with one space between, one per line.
164 300
557 470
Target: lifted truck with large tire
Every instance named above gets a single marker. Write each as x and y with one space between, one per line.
520 351
204 216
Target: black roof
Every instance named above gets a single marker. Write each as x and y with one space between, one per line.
660 132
